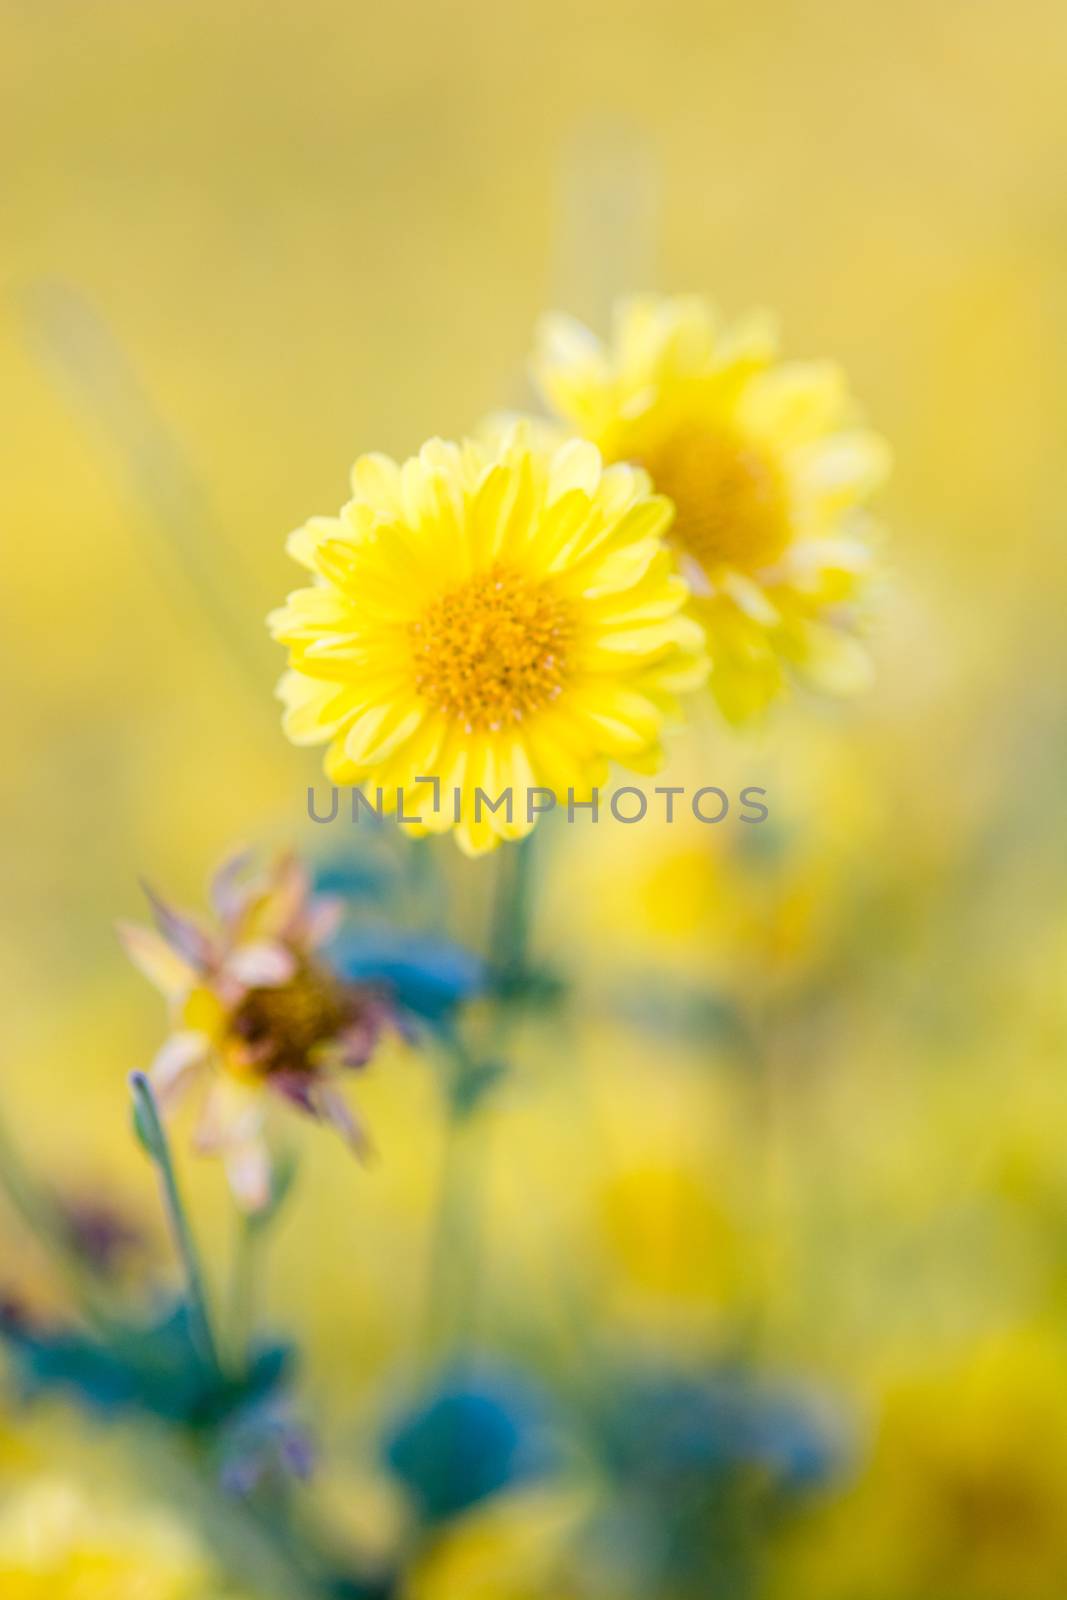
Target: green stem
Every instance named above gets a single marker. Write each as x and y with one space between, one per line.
241 1307
456 1247
252 1230
512 909
453 1271
149 1127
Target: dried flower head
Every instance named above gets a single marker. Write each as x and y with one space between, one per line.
258 1015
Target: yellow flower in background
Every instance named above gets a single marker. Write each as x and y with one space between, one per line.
768 472
515 1547
258 1015
497 616
966 1490
55 1544
666 1234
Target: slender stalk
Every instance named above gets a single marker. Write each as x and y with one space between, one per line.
512 910
150 1130
246 1264
241 1301
455 1252
451 1293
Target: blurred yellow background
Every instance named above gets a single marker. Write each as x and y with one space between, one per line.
243 244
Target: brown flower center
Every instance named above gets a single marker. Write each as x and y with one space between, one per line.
729 499
492 650
285 1026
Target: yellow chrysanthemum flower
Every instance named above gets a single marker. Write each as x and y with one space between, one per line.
497 616
57 1545
767 470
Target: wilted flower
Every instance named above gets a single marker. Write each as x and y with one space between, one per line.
492 615
767 470
258 1014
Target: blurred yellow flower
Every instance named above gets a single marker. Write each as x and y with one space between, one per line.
665 1233
496 616
966 1491
55 1544
516 1547
258 1014
767 470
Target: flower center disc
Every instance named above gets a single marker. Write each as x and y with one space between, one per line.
492 651
729 499
284 1025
